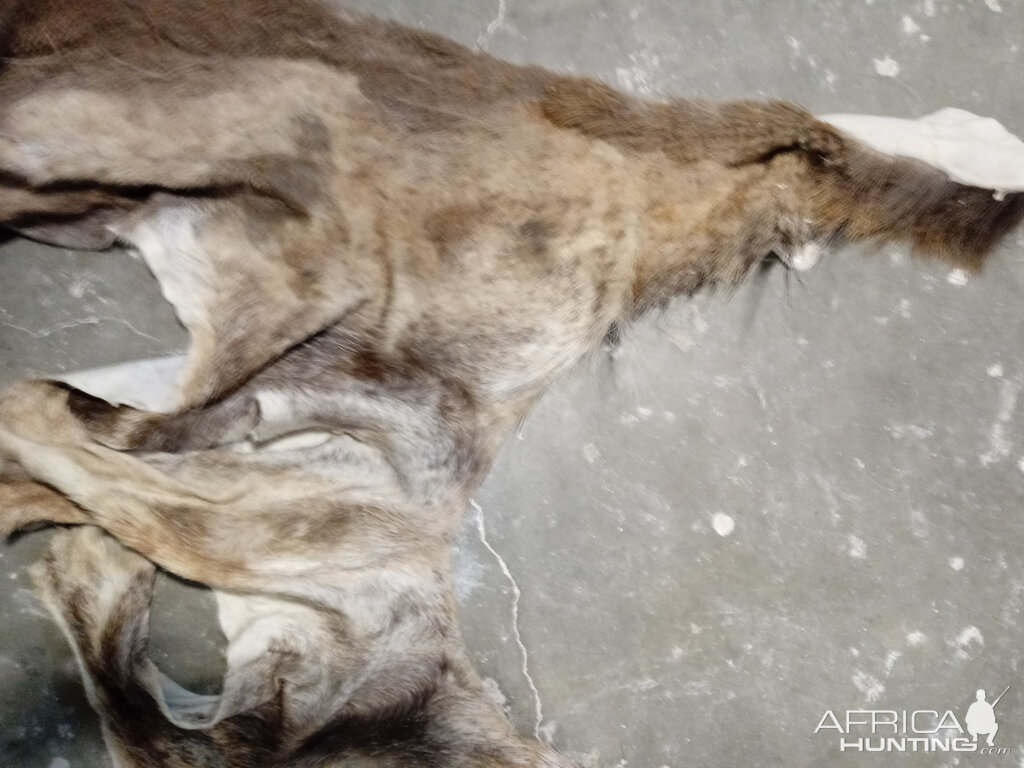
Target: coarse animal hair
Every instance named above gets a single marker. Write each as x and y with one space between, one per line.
385 247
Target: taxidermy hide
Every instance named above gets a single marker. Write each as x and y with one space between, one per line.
385 247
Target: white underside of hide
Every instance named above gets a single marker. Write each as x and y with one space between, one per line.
150 385
253 625
973 150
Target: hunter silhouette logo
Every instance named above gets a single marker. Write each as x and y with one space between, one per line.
981 717
919 730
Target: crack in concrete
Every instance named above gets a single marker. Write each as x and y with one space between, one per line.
516 596
83 321
493 27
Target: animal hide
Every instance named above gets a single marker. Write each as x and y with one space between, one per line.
385 248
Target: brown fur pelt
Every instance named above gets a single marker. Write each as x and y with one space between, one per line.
392 245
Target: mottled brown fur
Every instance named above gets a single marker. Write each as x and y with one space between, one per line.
377 234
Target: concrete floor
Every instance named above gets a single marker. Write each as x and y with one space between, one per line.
804 498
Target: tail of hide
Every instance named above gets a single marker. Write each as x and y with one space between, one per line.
856 192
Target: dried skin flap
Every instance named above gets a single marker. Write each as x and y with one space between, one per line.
972 150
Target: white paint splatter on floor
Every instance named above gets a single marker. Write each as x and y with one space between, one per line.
916 638
495 694
28 604
909 26
723 524
856 548
467 572
919 523
993 5
591 453
968 637
995 371
640 77
916 431
958 277
887 66
547 731
869 685
890 661
999 443
956 563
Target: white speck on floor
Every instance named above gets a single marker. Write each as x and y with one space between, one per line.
905 308
958 277
723 524
956 563
28 604
916 638
677 653
890 661
547 731
869 685
928 6
494 693
59 762
993 5
999 445
640 76
909 26
899 431
856 548
1020 463
887 66
467 574
918 524
970 635
591 453
855 652
995 371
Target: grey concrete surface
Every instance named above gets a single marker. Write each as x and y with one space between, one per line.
806 497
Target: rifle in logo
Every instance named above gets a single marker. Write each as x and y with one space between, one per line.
981 716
